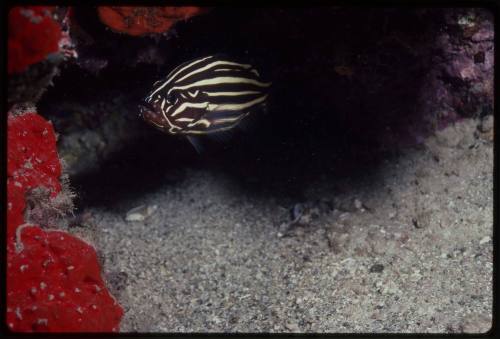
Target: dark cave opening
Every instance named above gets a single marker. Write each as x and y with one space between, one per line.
345 95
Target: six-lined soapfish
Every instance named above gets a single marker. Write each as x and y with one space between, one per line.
204 96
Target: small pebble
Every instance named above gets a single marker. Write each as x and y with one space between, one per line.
377 268
140 213
293 327
358 204
484 240
415 223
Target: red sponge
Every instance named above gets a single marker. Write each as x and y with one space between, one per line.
53 278
33 34
54 284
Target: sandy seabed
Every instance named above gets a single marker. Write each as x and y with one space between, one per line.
405 249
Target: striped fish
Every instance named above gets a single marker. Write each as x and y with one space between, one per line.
204 96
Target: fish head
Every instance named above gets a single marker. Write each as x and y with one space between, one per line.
173 110
153 109
151 113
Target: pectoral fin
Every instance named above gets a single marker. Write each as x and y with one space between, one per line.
196 142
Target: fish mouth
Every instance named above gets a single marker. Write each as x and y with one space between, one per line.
149 113
145 108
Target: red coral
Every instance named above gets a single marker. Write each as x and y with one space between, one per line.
53 280
144 20
33 34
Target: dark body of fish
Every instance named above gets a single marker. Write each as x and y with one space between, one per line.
205 96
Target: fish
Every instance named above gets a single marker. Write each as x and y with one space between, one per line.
205 96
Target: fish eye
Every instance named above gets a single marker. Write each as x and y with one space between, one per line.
172 98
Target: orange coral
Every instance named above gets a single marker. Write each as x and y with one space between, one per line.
144 20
